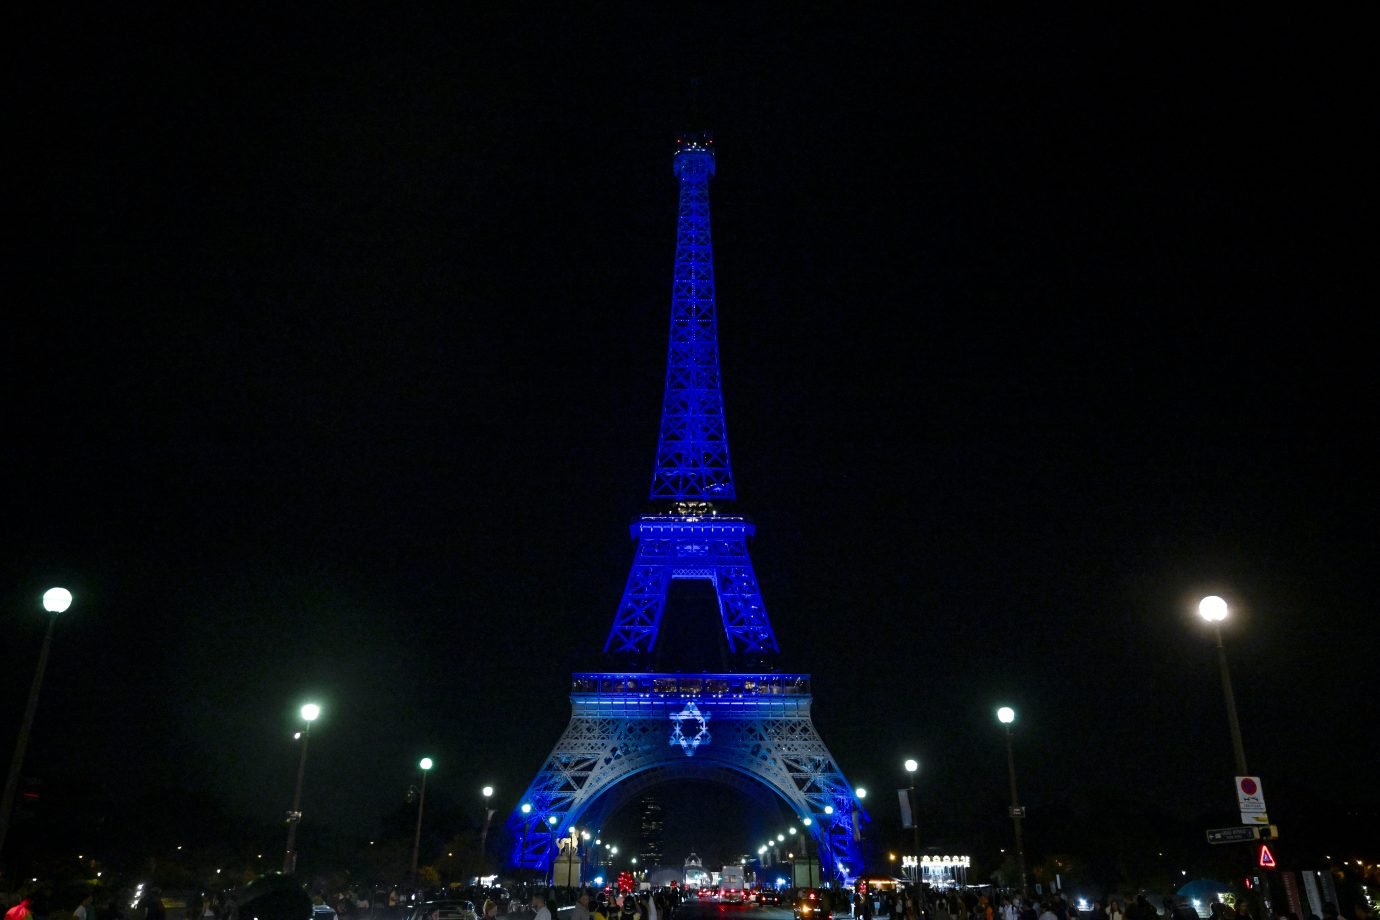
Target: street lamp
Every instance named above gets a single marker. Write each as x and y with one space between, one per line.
808 822
1006 715
310 712
55 601
484 834
912 765
426 763
1214 610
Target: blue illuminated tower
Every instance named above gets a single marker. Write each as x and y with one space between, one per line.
749 727
695 539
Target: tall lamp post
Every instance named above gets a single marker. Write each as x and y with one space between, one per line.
1213 609
912 766
426 763
808 822
1006 715
55 601
484 834
310 712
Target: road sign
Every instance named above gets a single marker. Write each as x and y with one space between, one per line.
1016 811
1244 834
1267 859
1231 835
1250 800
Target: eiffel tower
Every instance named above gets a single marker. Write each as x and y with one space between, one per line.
748 727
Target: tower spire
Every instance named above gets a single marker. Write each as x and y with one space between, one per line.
692 449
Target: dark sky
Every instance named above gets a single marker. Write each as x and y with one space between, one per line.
336 341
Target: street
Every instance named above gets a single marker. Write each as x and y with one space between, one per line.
715 910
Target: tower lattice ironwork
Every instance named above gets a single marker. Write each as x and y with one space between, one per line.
750 727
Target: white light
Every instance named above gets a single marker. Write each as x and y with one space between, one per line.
828 809
807 822
861 792
1212 608
911 766
1006 715
426 763
488 791
56 600
296 736
310 712
526 808
781 838
552 821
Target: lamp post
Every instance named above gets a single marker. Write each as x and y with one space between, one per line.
309 713
55 601
484 834
426 763
808 822
551 850
912 766
1214 610
1006 715
526 821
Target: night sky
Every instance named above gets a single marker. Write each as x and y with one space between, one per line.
335 350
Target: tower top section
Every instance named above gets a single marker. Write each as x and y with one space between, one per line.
694 147
692 450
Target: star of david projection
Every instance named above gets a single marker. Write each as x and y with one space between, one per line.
691 712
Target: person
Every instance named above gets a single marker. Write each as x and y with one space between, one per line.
1048 912
20 911
271 897
581 911
1008 908
84 910
539 905
152 905
601 910
490 909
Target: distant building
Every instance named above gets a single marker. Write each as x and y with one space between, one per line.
651 833
695 876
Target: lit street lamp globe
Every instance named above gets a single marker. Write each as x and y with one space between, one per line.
1006 715
526 808
426 763
310 712
861 792
57 600
1212 608
828 809
912 766
552 821
780 838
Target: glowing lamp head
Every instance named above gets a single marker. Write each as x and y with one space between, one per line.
1006 715
861 792
311 712
807 822
1212 608
526 808
488 791
780 838
828 809
911 765
553 821
426 763
57 600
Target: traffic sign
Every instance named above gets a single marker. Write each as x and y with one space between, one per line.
1016 811
1267 859
1231 835
1250 800
1243 834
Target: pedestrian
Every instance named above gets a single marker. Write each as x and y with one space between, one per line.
539 905
84 910
581 911
1049 914
20 911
